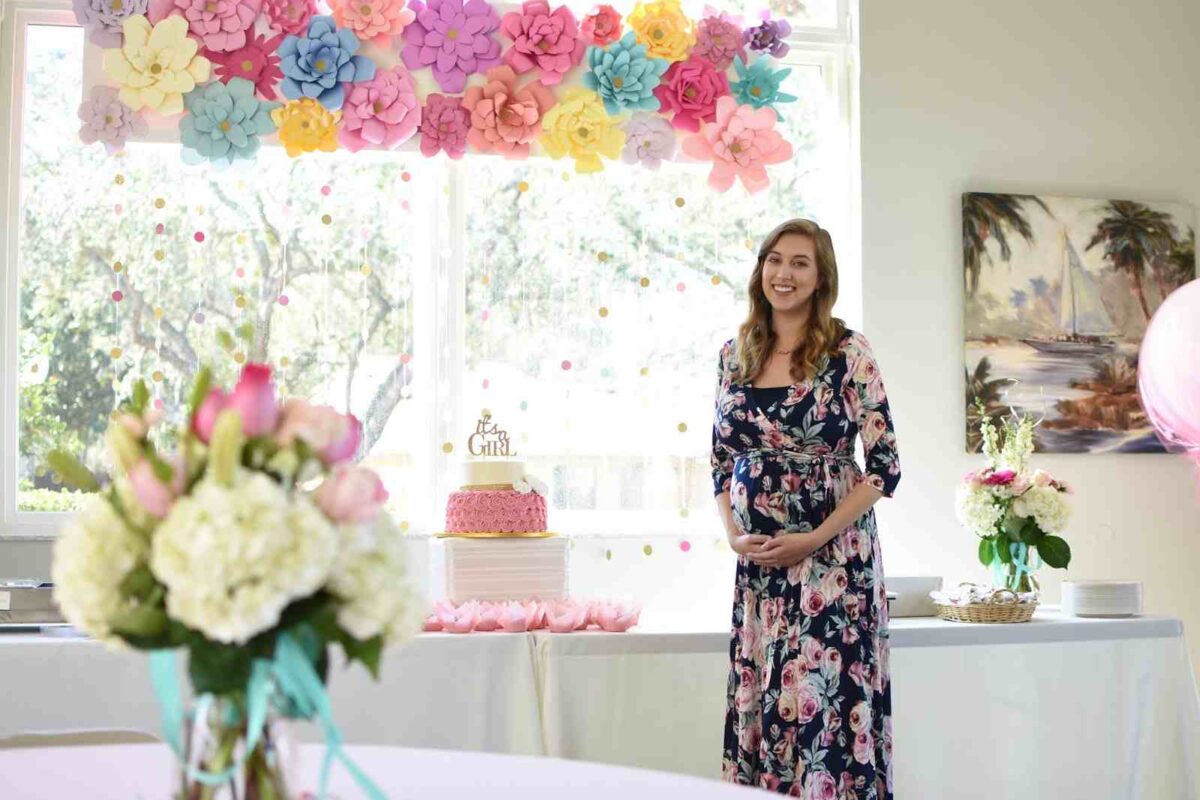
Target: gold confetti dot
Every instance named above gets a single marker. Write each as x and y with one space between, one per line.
645 371
566 176
679 201
366 269
749 244
241 238
647 549
325 218
682 427
159 255
447 447
119 180
239 357
683 512
716 280
240 302
603 311
486 280
35 368
199 209
118 266
603 256
523 186
159 202
115 352
644 282
403 526
158 313
157 376
608 555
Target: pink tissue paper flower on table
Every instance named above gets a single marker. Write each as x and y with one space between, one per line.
601 27
461 619
351 494
741 143
375 21
219 25
289 16
445 125
615 617
543 40
256 61
506 119
454 38
383 112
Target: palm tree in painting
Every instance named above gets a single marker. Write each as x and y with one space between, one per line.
983 390
1181 261
992 216
1133 235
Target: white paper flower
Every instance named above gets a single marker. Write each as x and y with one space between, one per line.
369 577
233 558
522 486
538 486
92 556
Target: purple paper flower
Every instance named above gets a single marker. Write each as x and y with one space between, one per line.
454 38
769 37
106 119
102 19
649 140
719 39
445 124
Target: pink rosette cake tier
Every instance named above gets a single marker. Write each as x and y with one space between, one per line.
496 511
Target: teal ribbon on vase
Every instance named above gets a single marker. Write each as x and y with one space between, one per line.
1018 552
291 674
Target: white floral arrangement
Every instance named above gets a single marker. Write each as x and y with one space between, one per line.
528 483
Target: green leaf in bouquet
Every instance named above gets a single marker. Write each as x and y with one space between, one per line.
142 626
141 396
1055 551
368 652
199 390
139 582
1003 551
219 668
987 551
1031 534
1012 527
226 451
71 471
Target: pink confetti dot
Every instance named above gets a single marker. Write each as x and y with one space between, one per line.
405 358
118 208
680 286
484 316
405 176
326 189
685 545
366 233
486 383
158 403
241 273
283 300
199 236
199 317
566 364
404 205
118 296
159 228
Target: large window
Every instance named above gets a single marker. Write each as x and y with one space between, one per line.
584 312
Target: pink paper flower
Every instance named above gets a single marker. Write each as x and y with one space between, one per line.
444 126
289 16
615 617
740 144
351 494
256 62
375 21
220 25
254 399
382 112
601 27
504 118
453 37
719 39
690 90
549 42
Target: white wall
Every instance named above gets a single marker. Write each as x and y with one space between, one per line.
1092 98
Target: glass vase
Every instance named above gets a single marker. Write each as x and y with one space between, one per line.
1017 574
216 746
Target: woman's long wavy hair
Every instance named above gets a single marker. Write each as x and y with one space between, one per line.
756 337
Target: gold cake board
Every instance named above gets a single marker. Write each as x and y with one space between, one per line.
495 535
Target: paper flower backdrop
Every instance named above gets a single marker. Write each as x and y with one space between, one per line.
642 89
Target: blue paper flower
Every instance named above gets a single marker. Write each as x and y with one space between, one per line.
224 121
623 75
318 63
758 85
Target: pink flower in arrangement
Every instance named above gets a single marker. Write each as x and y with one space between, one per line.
719 39
601 27
152 494
740 144
219 25
548 42
332 435
454 38
351 494
375 21
205 418
256 62
289 16
254 399
504 118
1000 478
381 112
690 90
444 126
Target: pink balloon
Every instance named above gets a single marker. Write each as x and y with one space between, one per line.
1169 371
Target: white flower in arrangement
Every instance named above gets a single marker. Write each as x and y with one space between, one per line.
1046 505
368 576
233 557
92 556
977 509
522 486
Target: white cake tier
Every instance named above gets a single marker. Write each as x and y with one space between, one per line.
506 569
492 472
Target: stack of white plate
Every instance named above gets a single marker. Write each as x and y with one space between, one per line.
1102 598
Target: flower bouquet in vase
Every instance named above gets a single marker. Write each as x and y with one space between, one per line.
1017 514
254 548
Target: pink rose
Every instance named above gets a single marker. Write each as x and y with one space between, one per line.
874 427
850 603
789 676
809 703
151 493
601 27
812 652
812 602
860 717
833 660
864 747
792 482
351 494
821 786
787 707
334 436
206 415
1001 477
689 91
834 584
749 737
254 400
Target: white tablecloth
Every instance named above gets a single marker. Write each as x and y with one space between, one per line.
126 772
1058 707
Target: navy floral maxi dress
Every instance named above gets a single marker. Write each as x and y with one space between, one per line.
809 702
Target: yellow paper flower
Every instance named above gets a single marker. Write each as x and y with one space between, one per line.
579 127
156 66
663 29
305 125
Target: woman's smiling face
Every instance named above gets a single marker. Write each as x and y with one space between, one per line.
789 276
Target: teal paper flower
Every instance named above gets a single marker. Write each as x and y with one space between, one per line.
624 76
224 121
758 85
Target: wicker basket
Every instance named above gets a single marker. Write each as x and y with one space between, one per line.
988 612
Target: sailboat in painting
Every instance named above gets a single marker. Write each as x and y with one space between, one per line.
1087 326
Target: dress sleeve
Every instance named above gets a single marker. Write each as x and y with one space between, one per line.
722 455
866 398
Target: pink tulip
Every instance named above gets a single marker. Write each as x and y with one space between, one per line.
334 436
151 493
351 494
206 415
254 399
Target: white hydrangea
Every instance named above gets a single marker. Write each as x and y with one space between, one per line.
1047 507
977 509
369 577
92 555
233 558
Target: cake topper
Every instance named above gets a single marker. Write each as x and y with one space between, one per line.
489 439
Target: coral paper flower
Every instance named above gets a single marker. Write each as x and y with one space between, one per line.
257 62
306 126
506 119
453 37
740 144
769 37
445 125
649 140
662 27
623 75
381 113
375 21
289 16
719 39
106 119
156 65
321 62
690 90
758 85
548 42
223 124
220 25
579 127
102 19
601 27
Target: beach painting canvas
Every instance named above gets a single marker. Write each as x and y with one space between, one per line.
1059 291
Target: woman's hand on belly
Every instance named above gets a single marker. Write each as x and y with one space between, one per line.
786 549
747 544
